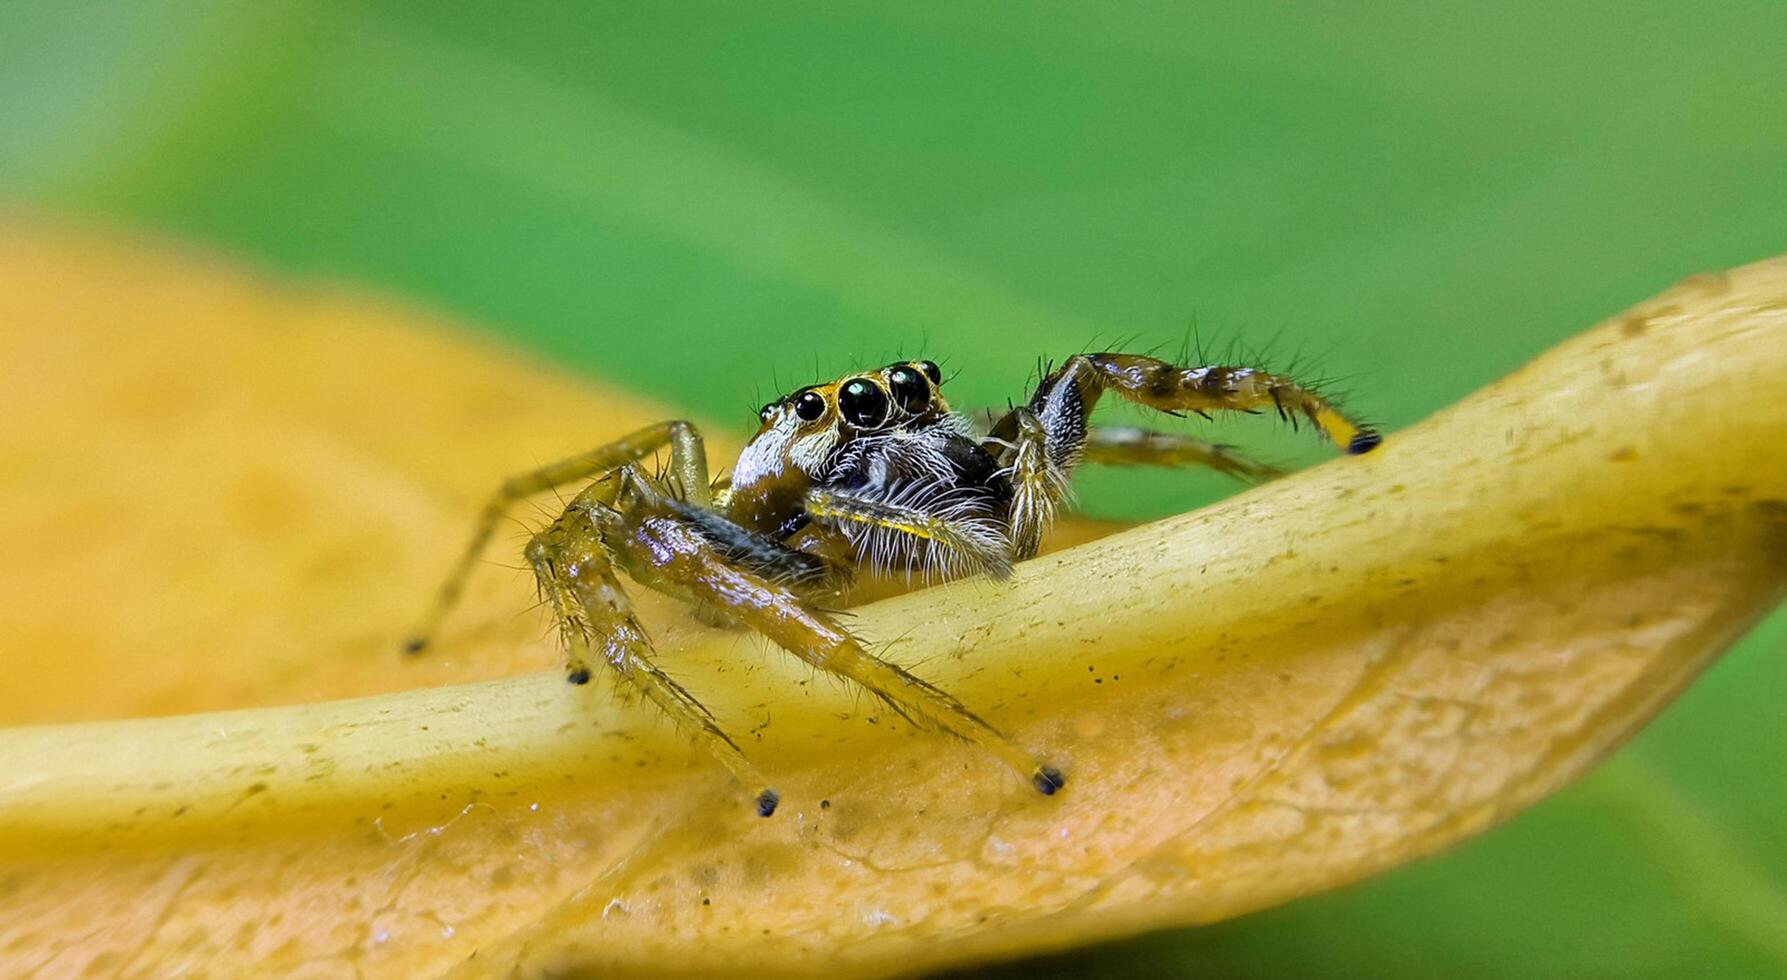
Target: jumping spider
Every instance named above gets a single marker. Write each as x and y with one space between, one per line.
872 470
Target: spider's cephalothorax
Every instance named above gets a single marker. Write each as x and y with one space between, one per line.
873 470
876 466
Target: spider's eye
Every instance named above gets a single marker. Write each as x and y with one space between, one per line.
931 371
809 406
862 403
766 411
910 391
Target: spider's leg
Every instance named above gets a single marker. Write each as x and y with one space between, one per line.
661 548
1039 483
688 464
1066 396
944 535
1130 446
1042 441
597 624
1123 445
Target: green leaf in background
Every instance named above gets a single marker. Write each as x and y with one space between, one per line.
709 202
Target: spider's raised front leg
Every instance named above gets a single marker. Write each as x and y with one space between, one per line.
688 464
666 545
596 623
1047 437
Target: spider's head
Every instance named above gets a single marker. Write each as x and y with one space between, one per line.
799 433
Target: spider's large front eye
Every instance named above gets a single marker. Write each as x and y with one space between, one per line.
809 406
909 389
862 403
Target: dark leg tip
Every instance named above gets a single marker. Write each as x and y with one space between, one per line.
578 676
766 802
1048 780
415 645
1364 442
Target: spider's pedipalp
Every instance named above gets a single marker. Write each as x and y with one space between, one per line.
937 534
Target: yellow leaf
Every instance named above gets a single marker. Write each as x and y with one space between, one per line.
224 492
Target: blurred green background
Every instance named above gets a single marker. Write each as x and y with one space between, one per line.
709 202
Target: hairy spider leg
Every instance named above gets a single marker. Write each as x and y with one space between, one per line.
596 622
1048 436
1131 446
1038 484
659 548
688 466
1169 388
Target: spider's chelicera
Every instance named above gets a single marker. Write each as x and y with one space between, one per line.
873 470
